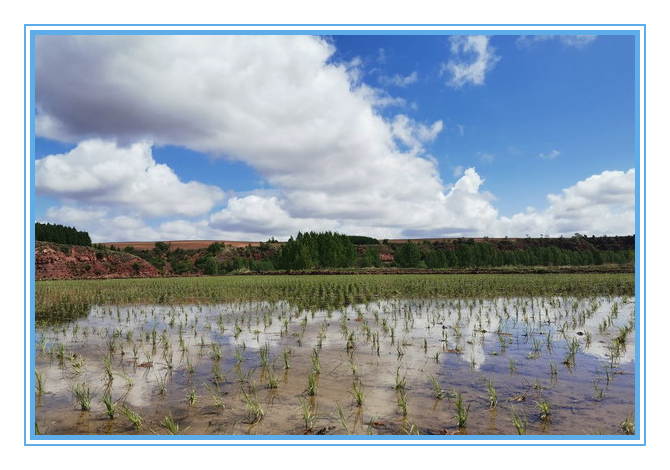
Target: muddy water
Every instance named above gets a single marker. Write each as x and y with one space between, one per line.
245 368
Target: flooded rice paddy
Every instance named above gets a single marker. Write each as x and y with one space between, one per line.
555 365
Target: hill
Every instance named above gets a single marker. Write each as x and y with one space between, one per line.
58 261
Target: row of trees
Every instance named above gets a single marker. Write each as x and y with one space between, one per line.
61 234
317 250
483 254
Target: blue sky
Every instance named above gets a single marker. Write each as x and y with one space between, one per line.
216 137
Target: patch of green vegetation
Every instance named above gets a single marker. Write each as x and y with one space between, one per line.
57 300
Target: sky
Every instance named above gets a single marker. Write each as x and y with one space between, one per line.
243 137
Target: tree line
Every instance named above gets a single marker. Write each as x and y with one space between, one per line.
484 254
61 234
316 250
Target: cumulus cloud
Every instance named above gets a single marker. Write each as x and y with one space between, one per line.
101 172
277 103
414 135
264 216
572 40
102 226
472 58
602 204
280 104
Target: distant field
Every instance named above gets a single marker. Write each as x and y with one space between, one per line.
183 244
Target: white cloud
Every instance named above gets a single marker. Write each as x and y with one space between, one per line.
398 80
101 172
101 226
279 104
264 216
275 102
572 40
602 204
414 135
550 155
472 58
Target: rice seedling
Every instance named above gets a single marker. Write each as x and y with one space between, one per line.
544 408
341 418
169 424
286 357
357 392
39 383
254 411
493 395
263 352
238 355
272 380
520 422
400 381
598 391
412 430
191 397
110 406
189 365
309 412
628 425
402 402
216 351
161 382
438 392
132 416
82 394
216 396
513 362
311 384
127 378
316 365
461 411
